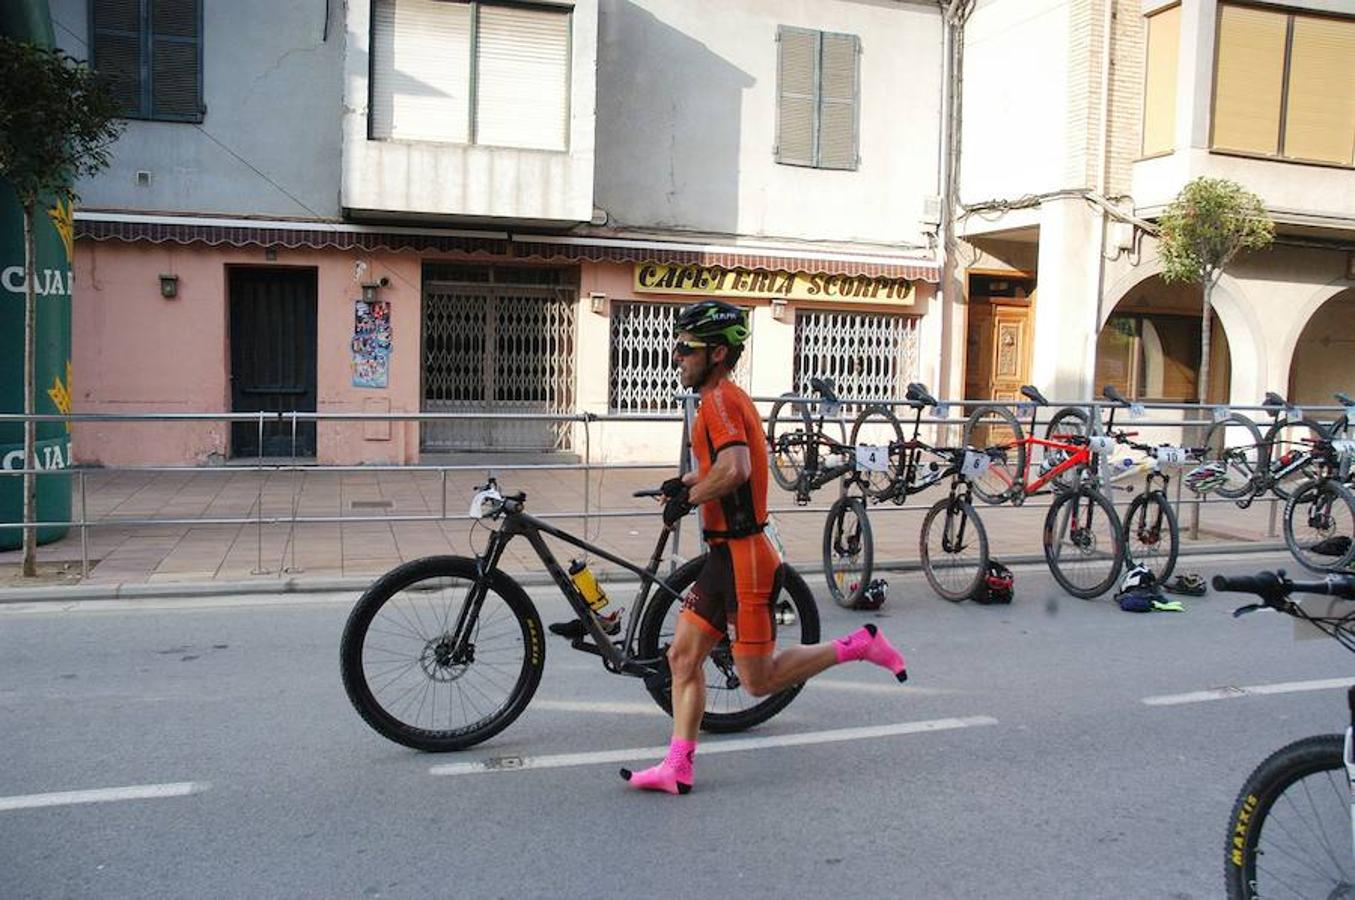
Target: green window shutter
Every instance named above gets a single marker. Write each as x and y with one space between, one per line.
175 59
116 49
837 102
797 101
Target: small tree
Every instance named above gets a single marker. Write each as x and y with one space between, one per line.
58 120
1208 223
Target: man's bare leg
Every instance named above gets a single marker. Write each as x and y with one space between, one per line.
686 660
762 675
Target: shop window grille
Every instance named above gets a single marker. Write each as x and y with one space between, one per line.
869 356
644 378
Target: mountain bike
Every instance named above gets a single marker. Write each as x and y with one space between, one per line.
913 465
445 652
803 457
1277 462
1083 538
1319 517
1290 832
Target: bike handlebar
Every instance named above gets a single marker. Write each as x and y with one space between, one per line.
1273 587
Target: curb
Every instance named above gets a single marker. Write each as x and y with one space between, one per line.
183 589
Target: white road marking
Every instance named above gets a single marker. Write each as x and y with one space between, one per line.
103 795
863 687
595 706
1231 691
560 760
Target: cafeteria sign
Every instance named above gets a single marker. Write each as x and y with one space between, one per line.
665 278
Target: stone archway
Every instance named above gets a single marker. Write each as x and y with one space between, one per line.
1149 344
1322 355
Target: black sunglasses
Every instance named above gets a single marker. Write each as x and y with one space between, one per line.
687 348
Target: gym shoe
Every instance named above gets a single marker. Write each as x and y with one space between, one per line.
1190 584
573 629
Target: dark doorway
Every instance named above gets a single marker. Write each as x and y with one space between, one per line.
272 340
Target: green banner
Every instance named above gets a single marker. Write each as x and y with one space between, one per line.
30 20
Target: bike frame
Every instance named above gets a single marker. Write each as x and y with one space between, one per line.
518 523
1078 455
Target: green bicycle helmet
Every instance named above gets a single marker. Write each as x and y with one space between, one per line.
714 322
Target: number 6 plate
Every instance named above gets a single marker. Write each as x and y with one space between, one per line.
975 464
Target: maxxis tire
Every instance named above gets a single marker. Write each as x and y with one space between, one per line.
795 591
351 647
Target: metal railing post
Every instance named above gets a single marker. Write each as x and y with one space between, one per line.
84 529
258 507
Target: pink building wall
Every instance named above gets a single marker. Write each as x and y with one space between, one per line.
134 351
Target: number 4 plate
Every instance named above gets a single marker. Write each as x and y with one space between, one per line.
870 458
975 464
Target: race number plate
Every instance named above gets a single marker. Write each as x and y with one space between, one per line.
975 464
478 502
1172 456
1221 413
870 458
1101 444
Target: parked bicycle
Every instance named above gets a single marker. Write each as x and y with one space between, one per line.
1083 537
953 544
1290 832
803 457
912 465
444 652
1277 462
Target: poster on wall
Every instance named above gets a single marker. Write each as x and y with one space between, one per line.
371 343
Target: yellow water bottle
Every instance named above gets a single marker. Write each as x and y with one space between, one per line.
593 595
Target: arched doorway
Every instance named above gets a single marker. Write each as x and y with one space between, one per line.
1149 346
1324 357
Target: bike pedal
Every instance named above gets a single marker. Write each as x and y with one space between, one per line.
586 646
660 679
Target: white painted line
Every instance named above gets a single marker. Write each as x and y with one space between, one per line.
104 795
1231 691
594 706
898 690
560 760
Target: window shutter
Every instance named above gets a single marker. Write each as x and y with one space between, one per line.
1159 104
797 76
1247 82
175 53
116 26
1320 110
420 75
837 102
522 78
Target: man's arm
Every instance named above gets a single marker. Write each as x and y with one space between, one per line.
731 469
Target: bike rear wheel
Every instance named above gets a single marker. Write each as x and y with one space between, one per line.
877 425
1151 536
954 548
848 551
1236 442
1291 453
728 706
790 434
995 426
1067 422
1083 543
1290 831
406 676
1319 525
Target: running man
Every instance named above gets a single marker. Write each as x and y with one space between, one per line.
736 589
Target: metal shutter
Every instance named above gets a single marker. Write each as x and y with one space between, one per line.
421 71
1320 107
837 102
797 75
1248 78
522 78
116 44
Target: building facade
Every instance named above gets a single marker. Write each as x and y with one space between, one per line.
1082 120
414 206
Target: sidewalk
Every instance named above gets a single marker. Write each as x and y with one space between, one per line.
196 556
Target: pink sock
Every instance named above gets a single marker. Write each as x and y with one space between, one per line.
869 644
673 775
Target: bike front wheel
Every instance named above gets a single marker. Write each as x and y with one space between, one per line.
1290 831
954 547
1291 453
728 706
412 679
1151 536
848 551
1235 441
1083 543
1319 525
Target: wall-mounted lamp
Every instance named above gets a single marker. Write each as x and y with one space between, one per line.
169 286
597 301
370 288
779 309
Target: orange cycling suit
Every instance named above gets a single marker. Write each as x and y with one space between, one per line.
740 580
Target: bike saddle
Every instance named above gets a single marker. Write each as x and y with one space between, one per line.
1032 393
1273 399
1110 393
1343 398
918 393
824 387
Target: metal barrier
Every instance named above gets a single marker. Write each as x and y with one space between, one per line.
265 468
